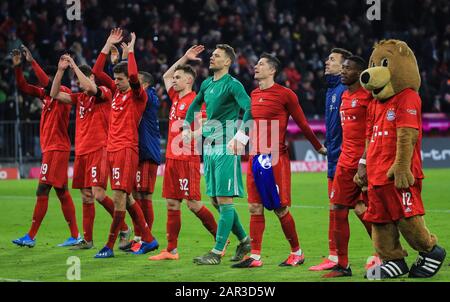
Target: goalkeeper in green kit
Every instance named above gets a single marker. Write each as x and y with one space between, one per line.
224 97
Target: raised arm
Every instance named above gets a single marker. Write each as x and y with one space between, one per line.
85 83
40 74
190 55
114 37
22 83
125 51
56 85
138 91
297 114
132 66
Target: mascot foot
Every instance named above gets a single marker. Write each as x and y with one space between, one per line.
388 269
428 264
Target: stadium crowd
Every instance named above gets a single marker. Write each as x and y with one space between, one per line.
167 28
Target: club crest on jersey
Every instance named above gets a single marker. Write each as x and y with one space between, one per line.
390 115
333 98
265 161
354 103
182 106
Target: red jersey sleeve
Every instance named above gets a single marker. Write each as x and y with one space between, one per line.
408 111
26 88
101 76
106 95
40 74
297 114
138 91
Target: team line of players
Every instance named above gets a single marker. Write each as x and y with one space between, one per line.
117 135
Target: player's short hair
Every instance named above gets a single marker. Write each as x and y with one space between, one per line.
272 60
344 52
187 69
147 78
122 67
86 70
360 62
229 51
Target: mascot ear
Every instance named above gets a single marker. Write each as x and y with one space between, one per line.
403 48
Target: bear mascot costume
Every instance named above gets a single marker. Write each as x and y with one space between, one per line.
393 169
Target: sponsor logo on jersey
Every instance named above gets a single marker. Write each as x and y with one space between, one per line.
412 111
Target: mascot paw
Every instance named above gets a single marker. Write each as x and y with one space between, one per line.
403 178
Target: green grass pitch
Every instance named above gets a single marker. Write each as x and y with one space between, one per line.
47 262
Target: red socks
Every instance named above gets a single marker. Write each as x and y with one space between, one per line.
331 240
147 208
137 231
207 218
88 220
40 209
257 226
173 227
138 219
341 235
118 218
69 212
108 204
288 225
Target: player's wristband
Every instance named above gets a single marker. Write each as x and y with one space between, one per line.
241 137
362 161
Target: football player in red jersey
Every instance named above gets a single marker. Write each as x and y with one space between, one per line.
55 145
128 104
182 171
93 105
345 194
270 187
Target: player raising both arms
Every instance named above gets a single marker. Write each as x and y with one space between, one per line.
93 106
128 104
269 171
55 145
182 172
149 153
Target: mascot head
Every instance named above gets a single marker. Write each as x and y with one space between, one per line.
392 68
